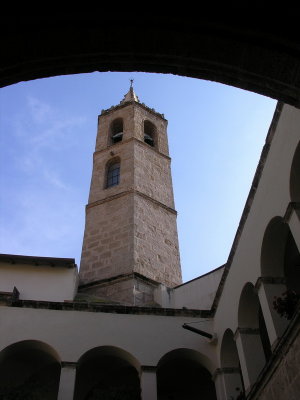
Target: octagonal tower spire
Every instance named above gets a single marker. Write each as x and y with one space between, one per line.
130 95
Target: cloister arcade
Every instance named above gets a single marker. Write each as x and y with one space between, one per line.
33 369
247 347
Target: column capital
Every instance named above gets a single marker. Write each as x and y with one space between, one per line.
292 206
270 280
148 382
225 370
68 364
148 368
67 380
246 331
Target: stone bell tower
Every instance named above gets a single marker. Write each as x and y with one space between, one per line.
130 243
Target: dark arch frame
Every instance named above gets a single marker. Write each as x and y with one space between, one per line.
29 368
184 373
104 365
116 131
149 132
238 45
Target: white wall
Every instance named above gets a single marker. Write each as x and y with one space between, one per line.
198 293
39 282
71 333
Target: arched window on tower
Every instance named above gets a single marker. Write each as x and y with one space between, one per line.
149 133
116 130
113 173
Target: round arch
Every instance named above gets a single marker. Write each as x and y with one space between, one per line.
183 373
273 248
280 256
116 130
28 368
280 274
150 136
228 355
242 47
112 172
248 308
107 371
110 351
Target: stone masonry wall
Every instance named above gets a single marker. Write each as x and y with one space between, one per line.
104 123
123 152
142 114
108 239
284 384
156 252
127 290
152 174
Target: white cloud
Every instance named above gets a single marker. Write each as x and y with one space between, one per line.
52 178
43 133
39 111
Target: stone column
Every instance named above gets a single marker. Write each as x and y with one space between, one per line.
267 289
67 381
148 383
228 383
251 354
218 378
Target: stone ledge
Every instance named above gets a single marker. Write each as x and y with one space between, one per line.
107 308
131 191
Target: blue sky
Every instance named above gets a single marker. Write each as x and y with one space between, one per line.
47 137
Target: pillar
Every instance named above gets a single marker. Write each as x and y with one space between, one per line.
267 289
67 381
228 383
148 383
218 378
251 354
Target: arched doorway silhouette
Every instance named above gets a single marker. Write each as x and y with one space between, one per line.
182 375
108 372
29 369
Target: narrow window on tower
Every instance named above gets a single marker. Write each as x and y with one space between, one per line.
116 131
113 173
149 133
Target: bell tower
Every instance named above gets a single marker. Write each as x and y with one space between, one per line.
130 243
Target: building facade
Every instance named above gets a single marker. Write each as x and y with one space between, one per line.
230 334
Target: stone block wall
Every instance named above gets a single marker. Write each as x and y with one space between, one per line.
108 239
141 114
124 152
285 382
126 112
131 290
156 249
152 174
